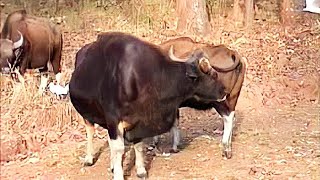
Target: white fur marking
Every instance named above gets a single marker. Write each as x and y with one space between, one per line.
89 156
228 126
57 89
43 82
176 135
58 78
138 149
312 6
117 151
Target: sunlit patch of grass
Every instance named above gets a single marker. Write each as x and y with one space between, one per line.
22 108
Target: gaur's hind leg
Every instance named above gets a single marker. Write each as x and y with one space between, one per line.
44 77
56 62
117 151
228 124
174 131
139 162
227 134
88 160
175 134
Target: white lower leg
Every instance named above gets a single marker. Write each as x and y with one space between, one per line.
43 82
58 78
227 133
138 149
90 150
175 136
117 151
111 154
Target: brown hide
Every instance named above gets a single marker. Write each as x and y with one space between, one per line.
219 56
12 23
42 41
183 46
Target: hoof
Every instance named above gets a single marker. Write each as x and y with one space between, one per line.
110 170
87 164
174 150
218 132
151 147
88 161
141 173
118 177
227 154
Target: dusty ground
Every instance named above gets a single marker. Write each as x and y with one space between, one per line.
277 132
269 143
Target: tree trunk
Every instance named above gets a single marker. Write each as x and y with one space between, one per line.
243 12
249 13
285 13
238 12
17 2
57 6
1 18
193 17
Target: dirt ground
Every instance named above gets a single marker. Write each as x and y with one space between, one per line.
269 143
277 130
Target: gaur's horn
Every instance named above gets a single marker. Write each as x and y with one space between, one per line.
236 58
19 42
173 57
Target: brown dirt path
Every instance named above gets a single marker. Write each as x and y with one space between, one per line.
269 143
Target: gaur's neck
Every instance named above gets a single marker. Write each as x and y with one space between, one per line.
178 85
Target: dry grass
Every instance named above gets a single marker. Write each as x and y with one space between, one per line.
22 110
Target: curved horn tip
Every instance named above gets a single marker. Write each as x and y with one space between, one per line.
171 49
19 42
173 57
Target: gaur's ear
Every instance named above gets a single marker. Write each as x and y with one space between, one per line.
206 68
204 65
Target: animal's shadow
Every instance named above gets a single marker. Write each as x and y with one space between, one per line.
193 124
97 154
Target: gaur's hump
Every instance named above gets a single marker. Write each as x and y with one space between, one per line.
12 17
19 14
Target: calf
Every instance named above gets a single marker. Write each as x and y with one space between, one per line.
133 89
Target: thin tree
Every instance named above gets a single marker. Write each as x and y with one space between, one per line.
57 6
249 13
243 12
193 17
238 12
285 12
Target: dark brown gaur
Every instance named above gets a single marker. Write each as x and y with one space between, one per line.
133 89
